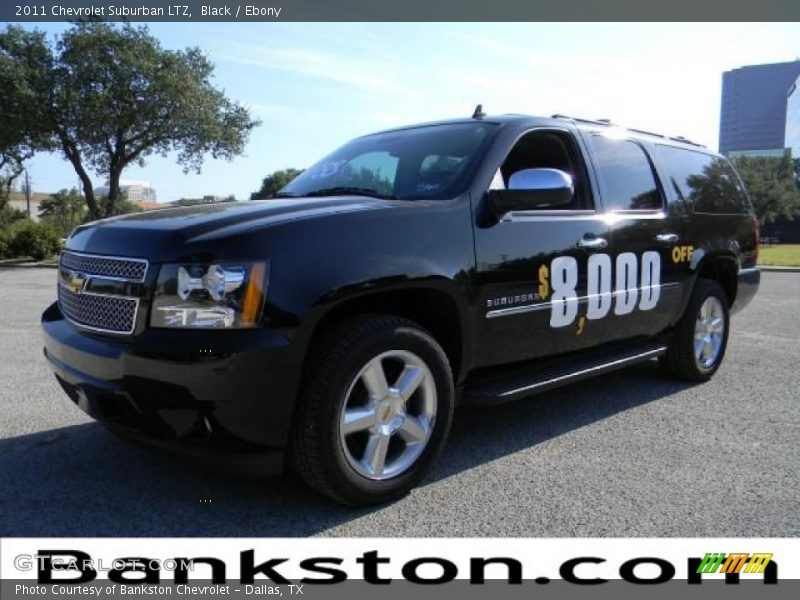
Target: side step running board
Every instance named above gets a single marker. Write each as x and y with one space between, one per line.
527 380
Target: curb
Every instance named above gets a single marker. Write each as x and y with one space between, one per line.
26 264
770 269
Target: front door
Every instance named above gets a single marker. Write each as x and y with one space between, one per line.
533 266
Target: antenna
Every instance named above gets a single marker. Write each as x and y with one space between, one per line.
478 114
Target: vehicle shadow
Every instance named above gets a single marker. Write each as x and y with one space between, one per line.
83 481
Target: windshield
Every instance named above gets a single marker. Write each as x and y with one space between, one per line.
420 163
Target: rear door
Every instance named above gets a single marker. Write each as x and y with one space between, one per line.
719 215
645 229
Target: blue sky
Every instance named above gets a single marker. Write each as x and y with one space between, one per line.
316 85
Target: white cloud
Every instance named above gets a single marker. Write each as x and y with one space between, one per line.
363 73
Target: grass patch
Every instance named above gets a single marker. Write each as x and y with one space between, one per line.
781 255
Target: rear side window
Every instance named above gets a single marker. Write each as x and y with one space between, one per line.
708 183
626 176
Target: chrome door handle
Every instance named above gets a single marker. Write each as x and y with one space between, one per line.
593 243
667 238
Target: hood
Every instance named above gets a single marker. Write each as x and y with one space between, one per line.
138 233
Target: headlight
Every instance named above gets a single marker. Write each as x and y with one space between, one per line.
226 295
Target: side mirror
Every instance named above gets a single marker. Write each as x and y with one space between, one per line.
531 189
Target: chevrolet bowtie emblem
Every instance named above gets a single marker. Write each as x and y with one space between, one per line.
76 282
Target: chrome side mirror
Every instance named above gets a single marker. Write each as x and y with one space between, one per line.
531 189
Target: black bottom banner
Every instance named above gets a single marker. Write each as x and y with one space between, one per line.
404 590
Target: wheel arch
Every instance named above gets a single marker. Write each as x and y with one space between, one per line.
430 306
722 268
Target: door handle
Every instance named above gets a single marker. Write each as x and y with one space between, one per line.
592 243
667 238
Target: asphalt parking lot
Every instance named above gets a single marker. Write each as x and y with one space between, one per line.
628 454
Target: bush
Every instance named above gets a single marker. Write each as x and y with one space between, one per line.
4 250
26 238
9 215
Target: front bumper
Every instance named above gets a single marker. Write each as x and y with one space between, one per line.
749 280
224 396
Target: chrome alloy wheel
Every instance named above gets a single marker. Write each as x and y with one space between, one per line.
709 331
383 427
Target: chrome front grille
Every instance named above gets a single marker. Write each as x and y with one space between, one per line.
99 292
126 269
113 314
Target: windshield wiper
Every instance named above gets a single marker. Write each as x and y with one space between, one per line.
352 191
284 195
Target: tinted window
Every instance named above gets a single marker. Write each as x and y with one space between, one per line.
547 150
421 162
707 182
626 177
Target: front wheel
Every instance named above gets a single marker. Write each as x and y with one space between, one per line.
374 412
700 339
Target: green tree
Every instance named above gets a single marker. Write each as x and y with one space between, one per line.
10 168
116 97
771 184
7 177
24 91
274 182
64 210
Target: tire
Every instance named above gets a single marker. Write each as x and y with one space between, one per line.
347 416
681 360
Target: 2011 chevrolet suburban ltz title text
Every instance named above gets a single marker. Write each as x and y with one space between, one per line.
336 326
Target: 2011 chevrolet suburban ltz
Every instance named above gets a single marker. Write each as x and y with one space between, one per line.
336 326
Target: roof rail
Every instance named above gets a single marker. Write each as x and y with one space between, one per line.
644 131
608 123
680 138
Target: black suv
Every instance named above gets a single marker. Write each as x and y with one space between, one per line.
336 327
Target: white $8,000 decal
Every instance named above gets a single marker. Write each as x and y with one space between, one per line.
564 280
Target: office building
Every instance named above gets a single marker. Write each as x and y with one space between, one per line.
792 140
753 114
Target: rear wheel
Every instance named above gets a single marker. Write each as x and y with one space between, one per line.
375 410
699 341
